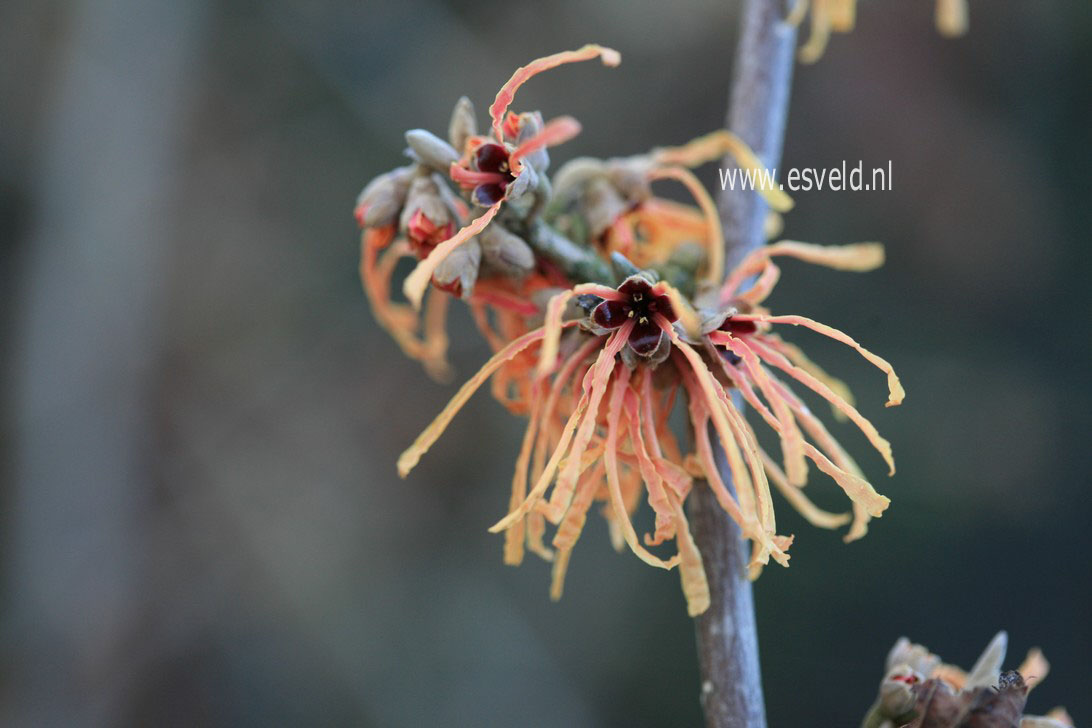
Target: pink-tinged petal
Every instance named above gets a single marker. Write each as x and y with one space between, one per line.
610 459
507 92
595 383
551 341
505 300
776 359
557 131
895 392
598 289
657 495
469 178
610 314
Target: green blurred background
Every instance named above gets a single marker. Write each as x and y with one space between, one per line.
201 520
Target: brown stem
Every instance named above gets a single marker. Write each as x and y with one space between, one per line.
731 691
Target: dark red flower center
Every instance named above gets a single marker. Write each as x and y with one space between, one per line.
493 160
642 303
736 328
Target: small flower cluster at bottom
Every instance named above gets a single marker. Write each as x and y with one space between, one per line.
919 691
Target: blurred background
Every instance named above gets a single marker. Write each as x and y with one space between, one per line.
201 520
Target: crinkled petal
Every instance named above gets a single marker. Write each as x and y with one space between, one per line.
409 459
507 92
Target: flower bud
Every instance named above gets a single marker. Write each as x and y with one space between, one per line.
526 181
463 124
426 219
506 252
896 697
914 656
430 150
458 272
571 178
381 199
602 205
630 179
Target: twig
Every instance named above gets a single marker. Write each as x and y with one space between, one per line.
727 638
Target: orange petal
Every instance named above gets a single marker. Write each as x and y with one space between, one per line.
409 459
714 243
812 513
715 145
552 339
610 460
557 131
691 569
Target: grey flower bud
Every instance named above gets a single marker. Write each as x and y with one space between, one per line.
381 199
458 272
526 181
425 196
602 205
917 657
506 252
896 697
431 150
630 178
463 124
571 178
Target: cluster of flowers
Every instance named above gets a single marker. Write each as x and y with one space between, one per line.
920 690
839 16
603 302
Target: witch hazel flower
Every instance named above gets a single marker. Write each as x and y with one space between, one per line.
610 315
494 170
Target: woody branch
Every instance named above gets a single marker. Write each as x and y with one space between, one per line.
727 638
